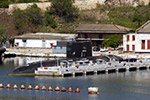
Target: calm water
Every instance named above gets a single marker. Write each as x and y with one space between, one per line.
116 86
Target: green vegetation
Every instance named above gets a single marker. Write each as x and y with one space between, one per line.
2 32
33 19
34 15
64 9
112 41
132 17
28 20
63 17
4 3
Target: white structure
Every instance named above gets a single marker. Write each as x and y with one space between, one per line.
139 41
41 40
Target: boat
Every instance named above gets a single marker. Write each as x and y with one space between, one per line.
93 90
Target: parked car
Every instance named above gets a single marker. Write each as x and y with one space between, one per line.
103 49
96 48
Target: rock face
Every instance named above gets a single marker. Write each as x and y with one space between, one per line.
23 6
89 4
127 2
82 4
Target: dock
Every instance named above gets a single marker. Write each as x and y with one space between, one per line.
92 71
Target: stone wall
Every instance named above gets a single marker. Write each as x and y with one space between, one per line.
82 4
23 6
88 4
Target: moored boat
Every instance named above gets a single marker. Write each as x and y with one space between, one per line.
93 90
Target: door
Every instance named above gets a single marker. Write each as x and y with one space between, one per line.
43 44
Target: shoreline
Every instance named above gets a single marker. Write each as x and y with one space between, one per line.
47 53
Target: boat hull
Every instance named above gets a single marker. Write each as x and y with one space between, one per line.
92 90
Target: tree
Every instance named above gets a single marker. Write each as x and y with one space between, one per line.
34 15
2 33
8 29
50 21
112 41
64 9
4 3
19 17
28 20
137 18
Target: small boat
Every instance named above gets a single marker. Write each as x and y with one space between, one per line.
93 90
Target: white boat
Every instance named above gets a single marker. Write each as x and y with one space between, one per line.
93 90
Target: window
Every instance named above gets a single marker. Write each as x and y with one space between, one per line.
133 37
128 48
143 44
128 38
100 36
133 47
86 36
24 40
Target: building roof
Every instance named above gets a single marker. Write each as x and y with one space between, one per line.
145 28
48 36
102 28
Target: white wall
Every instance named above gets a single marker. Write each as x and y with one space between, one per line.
137 42
139 39
130 42
35 43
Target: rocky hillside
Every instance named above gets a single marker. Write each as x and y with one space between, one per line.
127 2
112 2
89 4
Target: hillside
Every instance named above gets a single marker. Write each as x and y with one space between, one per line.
83 4
34 19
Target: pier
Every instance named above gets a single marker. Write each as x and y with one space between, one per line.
92 71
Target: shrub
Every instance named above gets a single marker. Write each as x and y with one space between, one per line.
64 9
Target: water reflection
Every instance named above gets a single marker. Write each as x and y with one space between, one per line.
20 61
93 96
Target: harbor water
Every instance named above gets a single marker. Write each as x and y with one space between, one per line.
115 86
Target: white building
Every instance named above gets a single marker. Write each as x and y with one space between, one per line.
138 41
41 40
